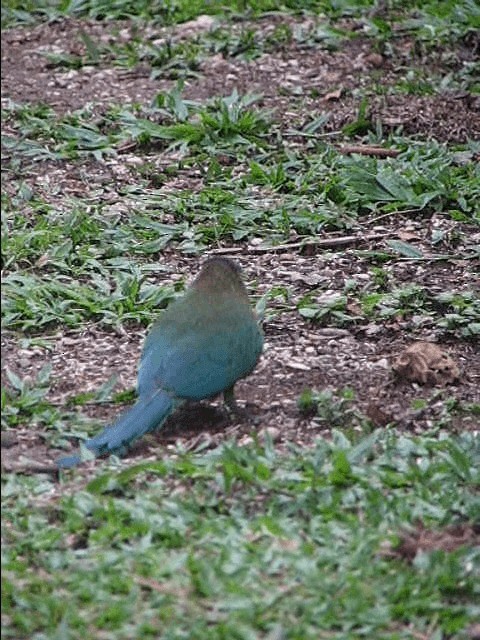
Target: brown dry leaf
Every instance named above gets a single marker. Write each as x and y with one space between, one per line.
426 363
42 260
405 235
354 307
334 95
424 540
378 414
165 587
374 60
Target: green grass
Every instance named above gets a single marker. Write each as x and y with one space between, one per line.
260 544
95 261
431 20
453 313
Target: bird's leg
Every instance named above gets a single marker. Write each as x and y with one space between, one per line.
229 400
234 409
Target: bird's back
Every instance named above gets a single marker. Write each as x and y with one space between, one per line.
201 345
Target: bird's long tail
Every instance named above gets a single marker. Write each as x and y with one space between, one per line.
147 414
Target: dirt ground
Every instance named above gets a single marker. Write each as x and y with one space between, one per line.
298 354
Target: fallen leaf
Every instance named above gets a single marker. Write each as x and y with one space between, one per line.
426 363
334 95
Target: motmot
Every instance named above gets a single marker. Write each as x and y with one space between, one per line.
200 346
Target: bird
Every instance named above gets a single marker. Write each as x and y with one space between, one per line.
199 347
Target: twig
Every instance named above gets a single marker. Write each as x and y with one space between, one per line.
371 221
127 146
367 150
30 467
303 134
340 241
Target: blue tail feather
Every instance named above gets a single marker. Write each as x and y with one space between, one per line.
147 414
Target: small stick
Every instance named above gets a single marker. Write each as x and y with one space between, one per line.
340 241
30 467
367 150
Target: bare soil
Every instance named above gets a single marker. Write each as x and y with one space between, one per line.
298 354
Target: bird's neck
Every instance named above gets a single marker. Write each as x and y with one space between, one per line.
220 286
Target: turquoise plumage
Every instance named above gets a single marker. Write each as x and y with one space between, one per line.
200 346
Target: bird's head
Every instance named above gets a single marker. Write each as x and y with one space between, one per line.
220 274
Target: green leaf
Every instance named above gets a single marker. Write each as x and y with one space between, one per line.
16 382
405 249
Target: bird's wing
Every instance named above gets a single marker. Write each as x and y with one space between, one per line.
200 364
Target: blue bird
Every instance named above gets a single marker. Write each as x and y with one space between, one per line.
201 345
